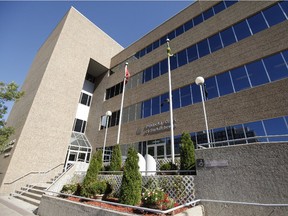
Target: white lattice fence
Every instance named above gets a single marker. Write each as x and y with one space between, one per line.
180 188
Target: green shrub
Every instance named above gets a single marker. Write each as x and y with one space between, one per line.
130 191
116 159
94 188
168 166
187 153
72 189
94 167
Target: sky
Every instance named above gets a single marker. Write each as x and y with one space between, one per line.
25 25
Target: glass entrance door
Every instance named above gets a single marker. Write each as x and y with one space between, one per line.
157 150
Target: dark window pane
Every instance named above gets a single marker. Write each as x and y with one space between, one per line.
171 35
164 66
196 94
192 53
164 102
276 67
285 54
255 129
274 15
188 25
242 30
276 126
182 58
84 99
83 127
211 88
156 44
228 37
121 87
149 48
78 125
117 117
112 91
107 93
219 7
155 105
163 40
230 2
224 84
113 119
215 42
173 62
156 70
257 73
219 134
284 5
89 100
117 89
179 30
203 48
257 23
147 108
207 14
148 74
142 52
238 133
176 98
185 93
240 79
137 55
198 19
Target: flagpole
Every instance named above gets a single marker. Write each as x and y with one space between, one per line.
170 102
121 107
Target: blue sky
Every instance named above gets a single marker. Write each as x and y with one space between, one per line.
24 26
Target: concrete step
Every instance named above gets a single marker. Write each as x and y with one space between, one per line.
41 186
33 190
30 194
28 199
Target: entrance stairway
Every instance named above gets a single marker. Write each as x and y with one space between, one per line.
32 193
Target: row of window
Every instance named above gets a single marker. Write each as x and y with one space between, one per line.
186 26
256 73
114 90
250 26
85 99
79 125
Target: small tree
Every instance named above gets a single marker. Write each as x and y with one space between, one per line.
116 159
94 168
8 92
187 153
130 191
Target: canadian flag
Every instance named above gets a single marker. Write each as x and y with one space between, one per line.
127 74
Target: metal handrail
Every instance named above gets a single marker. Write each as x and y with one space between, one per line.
33 172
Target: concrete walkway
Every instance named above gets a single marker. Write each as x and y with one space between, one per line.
10 206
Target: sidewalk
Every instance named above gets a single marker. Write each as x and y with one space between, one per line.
10 206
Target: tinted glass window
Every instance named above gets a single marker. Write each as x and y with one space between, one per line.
146 108
210 89
185 93
112 91
163 40
285 54
198 19
179 30
156 71
156 44
276 126
149 48
219 134
242 30
207 14
182 58
284 6
155 105
173 62
188 25
228 37
107 94
164 102
196 94
148 74
224 84
255 129
257 73
215 42
176 98
240 79
117 89
192 53
78 125
219 7
84 99
142 52
274 15
203 48
171 35
230 2
113 119
164 66
276 67
257 23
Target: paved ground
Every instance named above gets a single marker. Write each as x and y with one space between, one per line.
10 206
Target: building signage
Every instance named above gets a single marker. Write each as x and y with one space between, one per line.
156 127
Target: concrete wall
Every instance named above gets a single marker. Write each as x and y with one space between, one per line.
256 173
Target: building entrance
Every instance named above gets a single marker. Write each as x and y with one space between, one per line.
157 150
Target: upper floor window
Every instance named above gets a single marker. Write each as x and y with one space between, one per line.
85 99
